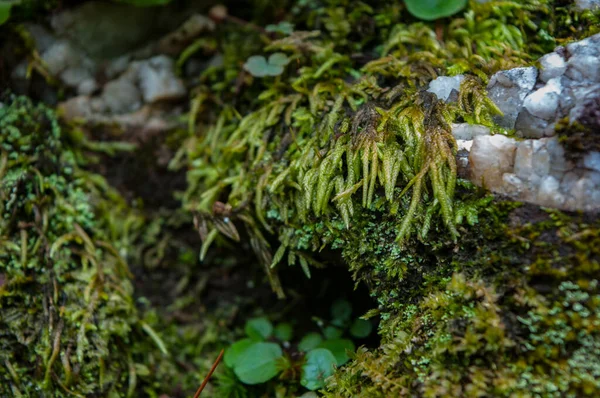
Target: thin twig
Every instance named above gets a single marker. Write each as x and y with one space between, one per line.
212 370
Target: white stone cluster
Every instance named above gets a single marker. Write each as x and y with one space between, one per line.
533 167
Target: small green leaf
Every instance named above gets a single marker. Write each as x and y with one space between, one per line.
284 27
310 341
331 332
284 332
341 310
279 59
235 351
339 349
258 66
258 363
319 365
5 7
429 10
259 328
361 328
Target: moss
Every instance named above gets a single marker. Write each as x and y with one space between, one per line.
343 158
350 154
70 324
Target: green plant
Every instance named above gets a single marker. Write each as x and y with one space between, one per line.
429 10
269 351
259 66
5 8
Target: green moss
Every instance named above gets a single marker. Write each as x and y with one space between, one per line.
69 322
510 312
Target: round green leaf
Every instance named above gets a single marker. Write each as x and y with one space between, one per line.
361 328
310 341
341 310
434 9
258 363
5 7
259 328
279 59
331 332
319 365
235 351
339 348
284 332
256 65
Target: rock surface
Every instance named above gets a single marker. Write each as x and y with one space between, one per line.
536 168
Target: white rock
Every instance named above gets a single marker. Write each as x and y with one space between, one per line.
543 103
552 65
587 4
558 163
541 157
443 86
158 81
549 193
464 144
491 156
466 131
513 185
592 161
524 161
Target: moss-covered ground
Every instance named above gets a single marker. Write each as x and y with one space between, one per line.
290 186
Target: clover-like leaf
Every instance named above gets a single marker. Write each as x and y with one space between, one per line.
283 27
319 365
429 10
258 66
5 7
259 328
284 331
258 363
361 328
341 310
339 348
310 341
236 350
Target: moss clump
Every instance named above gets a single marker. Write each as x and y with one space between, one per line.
350 154
582 136
512 311
69 322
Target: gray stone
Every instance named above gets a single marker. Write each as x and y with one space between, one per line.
491 156
121 96
158 81
87 87
508 90
59 56
552 65
529 126
73 77
592 161
43 39
117 66
443 86
584 67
